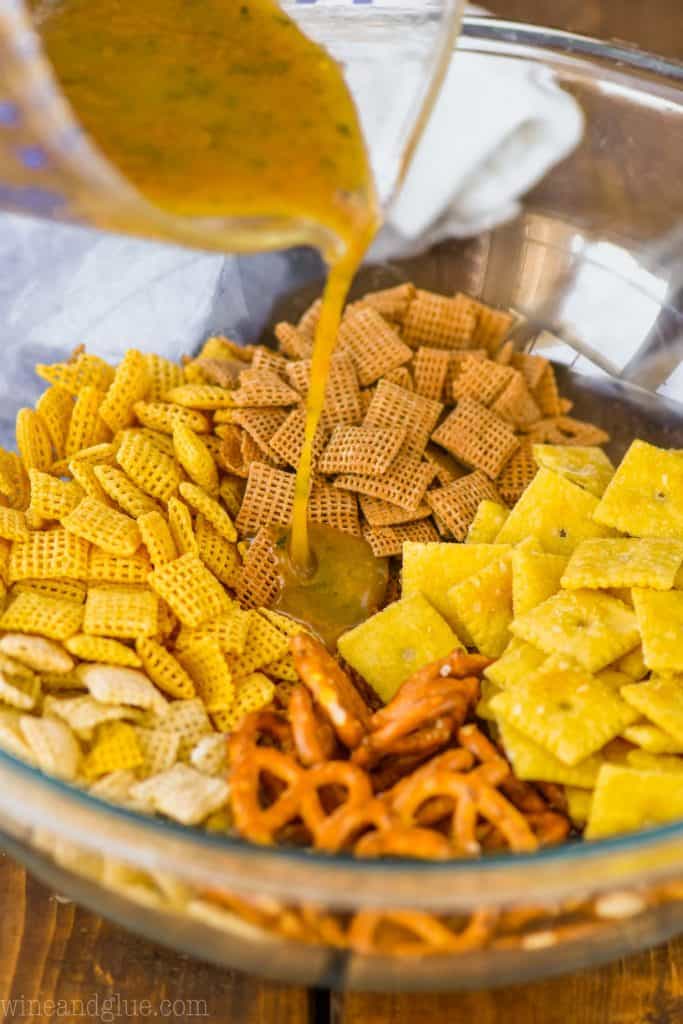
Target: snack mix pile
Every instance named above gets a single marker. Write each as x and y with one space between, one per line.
523 683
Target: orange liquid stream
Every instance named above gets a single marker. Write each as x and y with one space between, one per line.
219 109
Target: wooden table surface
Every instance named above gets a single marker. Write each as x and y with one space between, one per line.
61 963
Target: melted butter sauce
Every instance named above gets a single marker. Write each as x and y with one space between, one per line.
346 585
223 108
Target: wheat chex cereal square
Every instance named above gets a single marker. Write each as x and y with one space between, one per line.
477 437
456 504
394 408
439 321
374 346
364 450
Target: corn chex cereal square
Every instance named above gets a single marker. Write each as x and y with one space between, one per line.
193 593
75 374
86 427
660 619
218 554
645 496
115 748
52 498
156 536
52 617
265 643
164 670
104 527
49 555
211 509
567 712
130 384
102 649
13 522
432 569
230 631
518 661
626 799
558 513
482 603
252 693
130 498
162 374
477 437
55 406
156 473
33 440
487 523
124 612
618 562
394 643
196 460
591 628
206 665
660 699
589 468
535 577
535 764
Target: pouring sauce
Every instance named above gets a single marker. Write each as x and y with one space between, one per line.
219 109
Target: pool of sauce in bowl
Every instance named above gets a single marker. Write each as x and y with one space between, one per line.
220 109
344 587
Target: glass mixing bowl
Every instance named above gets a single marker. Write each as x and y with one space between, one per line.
585 226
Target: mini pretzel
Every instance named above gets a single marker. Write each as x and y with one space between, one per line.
401 841
353 780
425 933
340 830
313 738
248 761
257 823
424 711
331 688
490 804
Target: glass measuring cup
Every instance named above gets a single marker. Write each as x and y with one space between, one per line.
394 54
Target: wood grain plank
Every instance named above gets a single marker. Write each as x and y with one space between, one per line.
54 954
644 989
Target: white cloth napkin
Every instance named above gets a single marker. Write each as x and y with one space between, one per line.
490 139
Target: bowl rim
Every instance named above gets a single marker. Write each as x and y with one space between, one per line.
33 804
